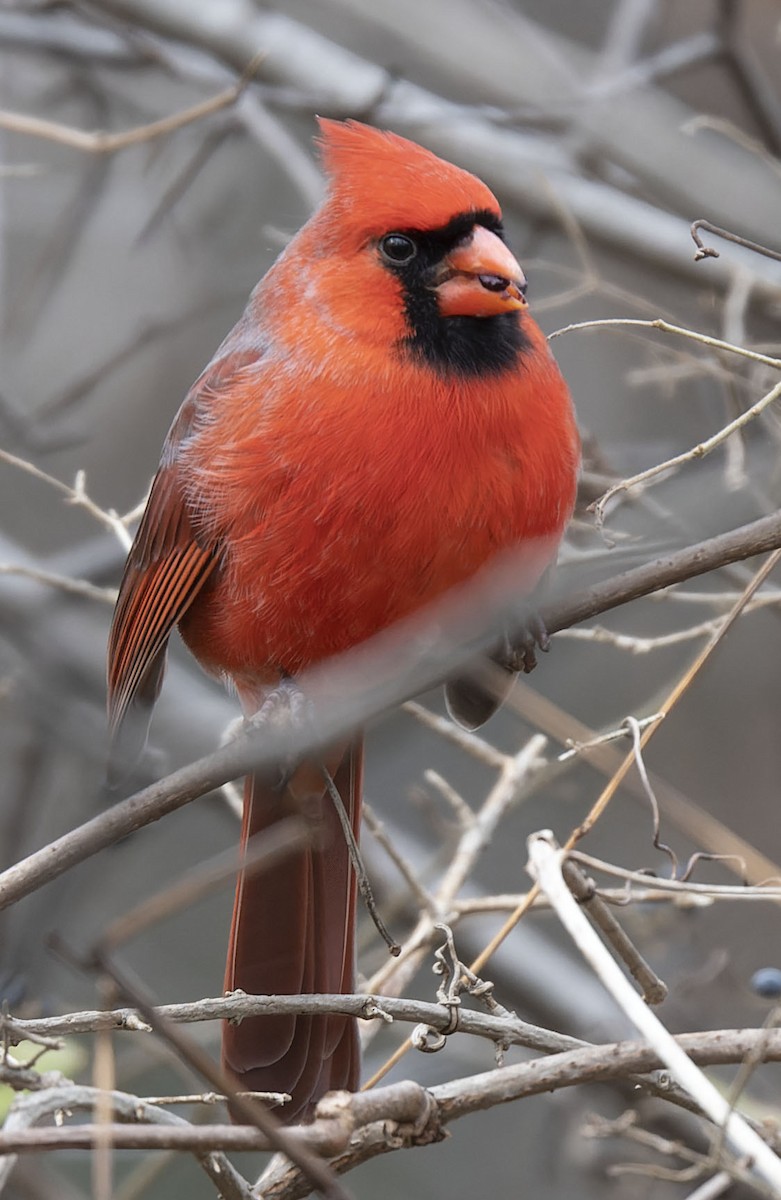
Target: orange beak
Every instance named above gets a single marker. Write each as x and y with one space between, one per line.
480 278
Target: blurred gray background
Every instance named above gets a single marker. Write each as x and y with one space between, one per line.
120 274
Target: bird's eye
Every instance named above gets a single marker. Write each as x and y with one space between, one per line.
398 249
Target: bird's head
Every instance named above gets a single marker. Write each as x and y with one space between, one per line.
411 247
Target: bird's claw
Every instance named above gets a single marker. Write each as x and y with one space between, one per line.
518 651
285 708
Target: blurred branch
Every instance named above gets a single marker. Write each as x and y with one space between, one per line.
729 129
368 681
77 495
283 838
523 167
101 142
155 330
747 73
41 29
63 583
626 1127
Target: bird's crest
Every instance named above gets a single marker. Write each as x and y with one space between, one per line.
382 181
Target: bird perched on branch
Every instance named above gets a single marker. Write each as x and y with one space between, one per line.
384 421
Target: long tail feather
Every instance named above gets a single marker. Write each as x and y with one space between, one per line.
293 932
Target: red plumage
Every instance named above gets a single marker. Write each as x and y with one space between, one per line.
371 434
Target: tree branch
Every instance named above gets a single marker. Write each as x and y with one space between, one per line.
506 1029
358 686
339 1114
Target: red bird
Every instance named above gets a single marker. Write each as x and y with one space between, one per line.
382 421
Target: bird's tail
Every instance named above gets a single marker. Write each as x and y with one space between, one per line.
293 931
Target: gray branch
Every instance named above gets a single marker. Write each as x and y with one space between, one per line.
401 662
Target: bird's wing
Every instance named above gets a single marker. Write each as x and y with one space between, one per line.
165 570
169 562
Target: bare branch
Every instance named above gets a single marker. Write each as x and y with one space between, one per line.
76 495
27 1111
704 251
545 865
369 1007
101 142
701 450
62 583
769 891
666 327
341 1114
367 681
653 989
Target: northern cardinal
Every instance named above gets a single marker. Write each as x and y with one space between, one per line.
384 419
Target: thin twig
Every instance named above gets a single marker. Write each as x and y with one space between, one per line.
361 877
76 495
603 739
704 251
62 583
769 891
102 142
633 725
663 326
701 450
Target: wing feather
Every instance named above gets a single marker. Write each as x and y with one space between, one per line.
166 568
168 564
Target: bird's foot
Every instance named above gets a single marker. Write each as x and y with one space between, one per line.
283 706
288 712
518 650
472 699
